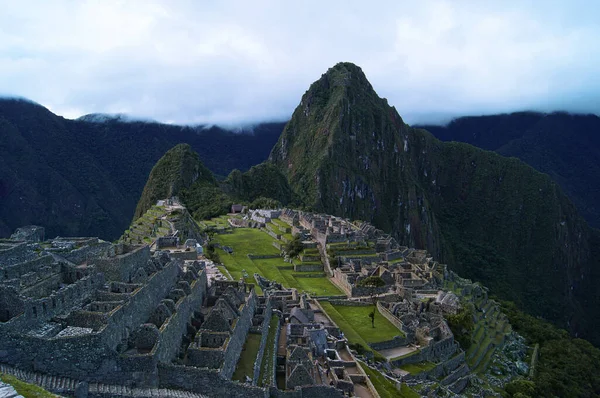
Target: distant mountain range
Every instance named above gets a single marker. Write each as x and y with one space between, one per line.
564 146
345 151
84 177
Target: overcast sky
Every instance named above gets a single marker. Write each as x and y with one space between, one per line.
234 62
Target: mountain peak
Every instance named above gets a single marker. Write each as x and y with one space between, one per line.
343 80
347 74
178 169
339 115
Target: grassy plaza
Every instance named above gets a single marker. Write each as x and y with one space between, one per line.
246 241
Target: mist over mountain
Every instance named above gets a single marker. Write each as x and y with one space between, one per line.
78 177
494 219
347 152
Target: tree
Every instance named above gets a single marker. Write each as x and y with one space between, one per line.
461 324
520 388
372 282
294 247
212 254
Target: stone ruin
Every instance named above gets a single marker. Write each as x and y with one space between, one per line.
94 316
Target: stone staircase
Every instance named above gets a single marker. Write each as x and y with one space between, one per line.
67 386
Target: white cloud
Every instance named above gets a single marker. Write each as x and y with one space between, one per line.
238 61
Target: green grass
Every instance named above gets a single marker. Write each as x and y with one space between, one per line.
385 387
253 241
415 368
245 366
355 321
25 389
267 361
280 223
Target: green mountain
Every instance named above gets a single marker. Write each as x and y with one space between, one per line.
494 219
180 172
84 177
562 145
178 169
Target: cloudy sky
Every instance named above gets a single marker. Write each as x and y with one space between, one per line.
235 62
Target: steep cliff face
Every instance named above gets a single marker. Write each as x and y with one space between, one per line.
347 152
562 145
263 180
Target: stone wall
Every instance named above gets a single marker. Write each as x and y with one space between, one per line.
310 257
205 381
264 256
351 303
435 351
272 234
274 358
141 304
185 255
167 241
390 317
308 267
92 356
362 259
86 252
397 341
391 256
316 391
360 291
238 337
16 270
12 252
175 327
122 267
263 341
352 253
63 300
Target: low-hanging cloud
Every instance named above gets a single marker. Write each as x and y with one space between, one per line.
233 62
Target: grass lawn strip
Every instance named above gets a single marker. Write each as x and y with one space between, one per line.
385 387
245 366
359 318
25 389
344 326
266 367
253 241
280 223
415 368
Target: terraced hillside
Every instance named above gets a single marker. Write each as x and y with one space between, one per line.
257 251
148 227
491 330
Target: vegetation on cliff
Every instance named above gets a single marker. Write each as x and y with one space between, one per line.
84 178
562 145
493 219
567 366
180 172
180 168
